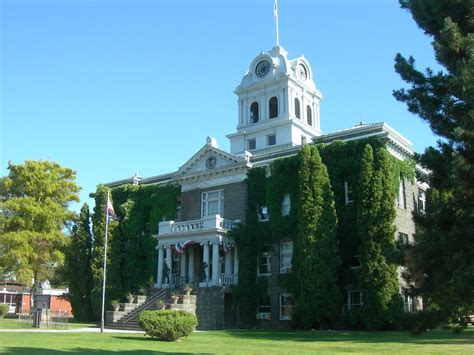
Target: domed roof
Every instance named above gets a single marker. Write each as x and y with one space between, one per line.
274 65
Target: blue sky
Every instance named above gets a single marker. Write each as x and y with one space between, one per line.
111 88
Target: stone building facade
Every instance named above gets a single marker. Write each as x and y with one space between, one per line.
278 112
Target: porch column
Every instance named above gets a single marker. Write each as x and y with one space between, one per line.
159 276
236 261
169 263
228 262
215 262
190 264
205 260
182 271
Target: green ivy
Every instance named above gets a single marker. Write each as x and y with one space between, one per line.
343 161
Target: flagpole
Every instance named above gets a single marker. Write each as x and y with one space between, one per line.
275 12
105 263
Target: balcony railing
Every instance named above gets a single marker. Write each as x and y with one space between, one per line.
228 279
214 222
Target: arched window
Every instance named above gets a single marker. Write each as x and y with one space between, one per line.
309 115
297 108
254 112
273 105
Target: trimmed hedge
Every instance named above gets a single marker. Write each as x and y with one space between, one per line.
166 324
3 310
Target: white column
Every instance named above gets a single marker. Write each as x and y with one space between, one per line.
205 259
182 271
169 261
236 261
215 262
190 265
159 276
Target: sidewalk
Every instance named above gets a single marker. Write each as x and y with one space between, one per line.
77 330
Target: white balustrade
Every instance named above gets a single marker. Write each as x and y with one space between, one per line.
228 279
206 223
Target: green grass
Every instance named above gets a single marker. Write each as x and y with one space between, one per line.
12 323
238 342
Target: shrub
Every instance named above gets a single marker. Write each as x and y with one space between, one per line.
166 324
4 310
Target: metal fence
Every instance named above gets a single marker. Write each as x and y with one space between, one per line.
44 318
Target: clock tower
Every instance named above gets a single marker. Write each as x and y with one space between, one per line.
278 104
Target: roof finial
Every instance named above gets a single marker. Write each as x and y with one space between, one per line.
275 12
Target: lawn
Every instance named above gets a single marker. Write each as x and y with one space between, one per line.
238 342
12 323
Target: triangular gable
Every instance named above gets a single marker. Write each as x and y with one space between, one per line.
209 159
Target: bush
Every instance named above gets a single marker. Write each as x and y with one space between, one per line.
4 310
166 324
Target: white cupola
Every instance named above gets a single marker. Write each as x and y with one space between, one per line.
278 104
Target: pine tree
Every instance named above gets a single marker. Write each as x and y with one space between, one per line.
444 253
78 270
316 257
378 275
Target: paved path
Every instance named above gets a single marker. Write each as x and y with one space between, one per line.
77 330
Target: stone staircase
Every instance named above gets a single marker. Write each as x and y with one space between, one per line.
128 319
163 298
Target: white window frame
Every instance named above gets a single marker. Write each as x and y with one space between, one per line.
206 199
268 306
286 251
262 214
270 136
303 140
284 306
351 305
285 205
254 143
401 201
408 303
403 237
348 192
421 201
266 256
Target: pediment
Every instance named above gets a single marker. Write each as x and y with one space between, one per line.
209 160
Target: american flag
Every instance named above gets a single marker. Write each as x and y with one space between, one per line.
109 211
180 247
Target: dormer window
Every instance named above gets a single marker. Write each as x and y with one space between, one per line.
309 115
297 109
273 107
254 116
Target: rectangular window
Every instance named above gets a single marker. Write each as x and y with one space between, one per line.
287 304
178 211
303 140
271 139
421 201
408 302
263 214
212 203
348 192
285 205
355 262
401 194
264 308
251 144
354 299
402 237
265 261
286 254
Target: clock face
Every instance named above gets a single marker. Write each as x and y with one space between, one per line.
262 68
302 72
211 162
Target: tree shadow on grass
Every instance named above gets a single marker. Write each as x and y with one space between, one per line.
41 351
433 338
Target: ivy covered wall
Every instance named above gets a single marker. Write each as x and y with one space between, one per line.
132 256
312 233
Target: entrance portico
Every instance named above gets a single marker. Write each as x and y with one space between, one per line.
197 252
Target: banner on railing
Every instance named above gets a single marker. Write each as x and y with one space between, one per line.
180 247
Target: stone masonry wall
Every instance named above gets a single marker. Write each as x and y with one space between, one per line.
210 308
